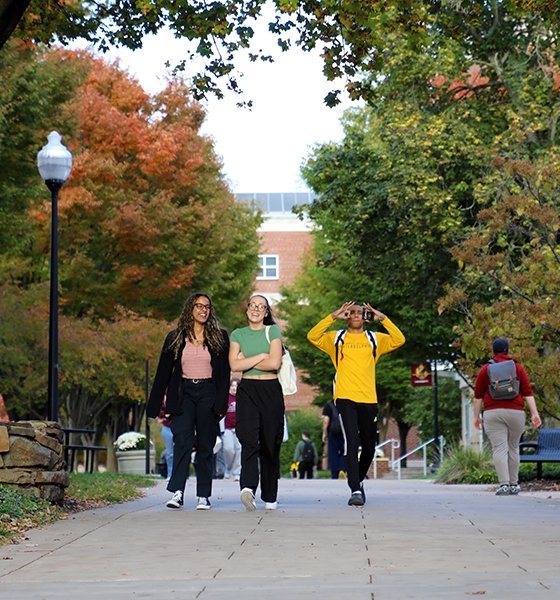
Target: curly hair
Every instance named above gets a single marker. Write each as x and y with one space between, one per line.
213 337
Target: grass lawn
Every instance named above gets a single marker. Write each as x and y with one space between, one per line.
22 511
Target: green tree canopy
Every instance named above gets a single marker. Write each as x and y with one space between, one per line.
356 38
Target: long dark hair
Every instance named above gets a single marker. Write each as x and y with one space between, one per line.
213 337
268 318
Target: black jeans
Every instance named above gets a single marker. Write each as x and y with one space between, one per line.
197 417
305 470
359 425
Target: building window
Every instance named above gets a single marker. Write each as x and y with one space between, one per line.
268 265
277 203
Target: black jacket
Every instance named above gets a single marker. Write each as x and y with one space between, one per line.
169 374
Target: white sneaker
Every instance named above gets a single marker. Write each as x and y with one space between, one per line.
271 505
248 499
203 504
176 500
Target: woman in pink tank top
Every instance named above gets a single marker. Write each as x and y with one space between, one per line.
193 374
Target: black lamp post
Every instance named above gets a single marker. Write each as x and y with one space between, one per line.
54 162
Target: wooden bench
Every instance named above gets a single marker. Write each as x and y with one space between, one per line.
545 449
72 451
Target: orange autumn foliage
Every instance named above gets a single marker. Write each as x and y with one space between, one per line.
143 209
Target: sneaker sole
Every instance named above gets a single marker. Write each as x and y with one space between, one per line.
248 501
203 507
356 501
173 505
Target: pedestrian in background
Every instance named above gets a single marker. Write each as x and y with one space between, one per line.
354 353
306 456
167 436
334 440
232 446
193 374
504 420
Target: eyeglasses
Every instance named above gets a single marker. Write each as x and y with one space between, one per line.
255 306
200 306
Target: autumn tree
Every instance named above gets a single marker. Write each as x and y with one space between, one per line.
509 284
146 213
145 219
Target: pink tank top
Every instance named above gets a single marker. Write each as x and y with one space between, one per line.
195 362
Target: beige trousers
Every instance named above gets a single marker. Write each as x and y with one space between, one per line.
504 428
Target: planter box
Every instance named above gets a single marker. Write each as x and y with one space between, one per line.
134 462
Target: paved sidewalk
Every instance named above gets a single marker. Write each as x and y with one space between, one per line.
413 539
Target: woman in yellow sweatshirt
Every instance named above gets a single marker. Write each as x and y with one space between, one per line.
354 352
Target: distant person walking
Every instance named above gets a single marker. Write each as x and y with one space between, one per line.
334 440
232 446
306 456
504 418
167 436
260 402
193 374
354 353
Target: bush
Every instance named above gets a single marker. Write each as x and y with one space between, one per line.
466 465
528 472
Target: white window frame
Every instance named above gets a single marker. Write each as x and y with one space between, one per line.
263 267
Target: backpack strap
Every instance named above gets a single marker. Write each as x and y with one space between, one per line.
373 341
266 330
338 340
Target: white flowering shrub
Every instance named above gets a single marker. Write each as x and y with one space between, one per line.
130 441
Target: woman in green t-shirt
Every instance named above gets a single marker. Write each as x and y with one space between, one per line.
256 351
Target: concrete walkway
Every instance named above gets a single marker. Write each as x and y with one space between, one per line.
413 539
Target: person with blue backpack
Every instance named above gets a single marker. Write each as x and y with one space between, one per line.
354 352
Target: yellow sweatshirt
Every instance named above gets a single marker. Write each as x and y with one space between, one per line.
355 374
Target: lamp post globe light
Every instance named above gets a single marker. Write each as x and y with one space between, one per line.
54 162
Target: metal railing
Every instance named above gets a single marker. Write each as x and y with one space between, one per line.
394 445
424 447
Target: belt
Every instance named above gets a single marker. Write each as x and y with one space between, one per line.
196 381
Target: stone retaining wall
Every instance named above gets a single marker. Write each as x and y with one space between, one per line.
32 457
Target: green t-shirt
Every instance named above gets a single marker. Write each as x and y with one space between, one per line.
253 341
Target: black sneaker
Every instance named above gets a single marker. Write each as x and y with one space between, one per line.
514 489
356 499
176 500
363 491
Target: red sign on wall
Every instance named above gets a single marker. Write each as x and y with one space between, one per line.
421 375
